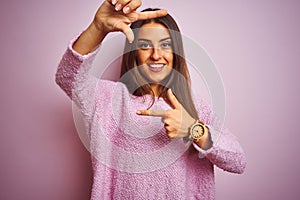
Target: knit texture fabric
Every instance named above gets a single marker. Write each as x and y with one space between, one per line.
132 156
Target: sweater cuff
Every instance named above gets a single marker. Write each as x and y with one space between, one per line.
202 153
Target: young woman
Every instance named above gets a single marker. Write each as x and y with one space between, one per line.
149 138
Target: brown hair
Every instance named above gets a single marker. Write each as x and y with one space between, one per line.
178 80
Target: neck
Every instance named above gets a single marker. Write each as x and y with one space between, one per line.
154 88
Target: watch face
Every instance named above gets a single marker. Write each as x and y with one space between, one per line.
197 131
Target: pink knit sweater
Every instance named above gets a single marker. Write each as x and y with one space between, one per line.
131 155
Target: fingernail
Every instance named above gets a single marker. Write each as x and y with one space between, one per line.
138 112
170 90
114 2
118 7
126 10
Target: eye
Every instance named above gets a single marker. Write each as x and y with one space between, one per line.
166 45
144 45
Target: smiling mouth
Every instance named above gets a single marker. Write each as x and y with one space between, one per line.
156 67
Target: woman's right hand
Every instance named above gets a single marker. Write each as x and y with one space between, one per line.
113 15
117 15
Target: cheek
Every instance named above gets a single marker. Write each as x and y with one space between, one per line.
169 57
142 57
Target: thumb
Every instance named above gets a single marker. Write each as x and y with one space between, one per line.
173 100
126 30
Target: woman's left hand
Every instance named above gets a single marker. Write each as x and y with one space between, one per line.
176 121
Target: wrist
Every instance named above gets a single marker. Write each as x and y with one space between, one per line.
96 31
199 133
205 142
97 27
89 40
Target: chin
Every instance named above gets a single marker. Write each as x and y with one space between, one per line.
156 80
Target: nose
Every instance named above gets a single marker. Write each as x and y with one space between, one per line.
156 54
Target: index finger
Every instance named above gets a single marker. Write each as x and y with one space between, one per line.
151 14
154 113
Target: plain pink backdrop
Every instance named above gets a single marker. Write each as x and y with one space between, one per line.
255 46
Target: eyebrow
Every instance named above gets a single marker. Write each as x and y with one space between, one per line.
146 40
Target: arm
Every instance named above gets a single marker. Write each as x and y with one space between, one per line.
225 150
73 78
227 153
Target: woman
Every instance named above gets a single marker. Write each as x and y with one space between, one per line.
142 127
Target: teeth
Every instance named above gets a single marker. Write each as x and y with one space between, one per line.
156 65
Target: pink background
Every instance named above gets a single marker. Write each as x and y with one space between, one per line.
255 46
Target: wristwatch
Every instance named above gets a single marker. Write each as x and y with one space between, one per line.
197 130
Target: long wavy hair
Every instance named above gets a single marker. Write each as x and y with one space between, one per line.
178 80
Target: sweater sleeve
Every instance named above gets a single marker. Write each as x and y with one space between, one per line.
226 152
75 80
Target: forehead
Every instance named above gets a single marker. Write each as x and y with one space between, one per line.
153 31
